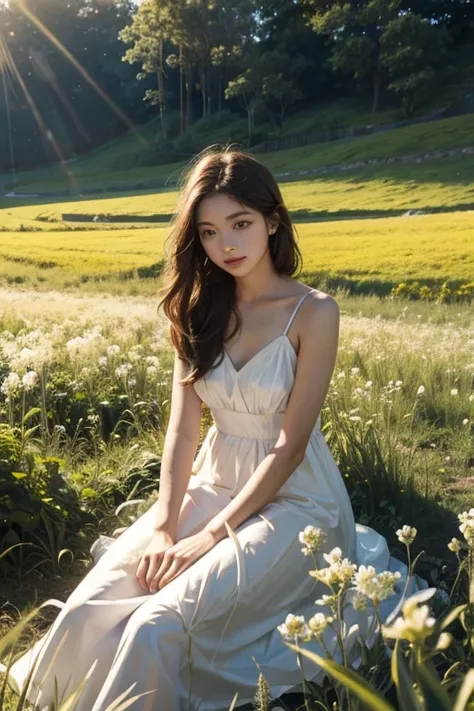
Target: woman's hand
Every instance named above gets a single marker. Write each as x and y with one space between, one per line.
152 558
181 556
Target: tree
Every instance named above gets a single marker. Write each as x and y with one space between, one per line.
200 36
224 59
147 33
247 88
279 76
412 49
215 33
354 30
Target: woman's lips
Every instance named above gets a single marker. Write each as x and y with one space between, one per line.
234 261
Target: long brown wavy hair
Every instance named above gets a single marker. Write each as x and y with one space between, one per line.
200 297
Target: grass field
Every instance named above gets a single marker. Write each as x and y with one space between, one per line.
441 184
38 249
104 169
381 251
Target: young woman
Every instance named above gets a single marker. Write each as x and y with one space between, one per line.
183 608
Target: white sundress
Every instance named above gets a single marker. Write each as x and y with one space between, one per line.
195 643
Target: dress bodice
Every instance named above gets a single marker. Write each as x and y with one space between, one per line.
251 401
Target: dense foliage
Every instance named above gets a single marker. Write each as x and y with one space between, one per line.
76 74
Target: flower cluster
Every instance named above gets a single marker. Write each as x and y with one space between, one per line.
467 526
406 535
414 625
339 571
294 628
12 384
312 539
341 576
375 586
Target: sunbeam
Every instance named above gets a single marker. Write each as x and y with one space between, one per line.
45 71
22 7
48 135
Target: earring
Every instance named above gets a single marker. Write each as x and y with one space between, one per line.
206 260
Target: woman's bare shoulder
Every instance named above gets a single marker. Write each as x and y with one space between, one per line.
319 311
319 299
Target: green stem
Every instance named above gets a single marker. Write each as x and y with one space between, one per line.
300 665
44 409
339 630
324 645
22 442
460 569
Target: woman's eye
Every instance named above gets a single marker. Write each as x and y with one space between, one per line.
242 224
206 233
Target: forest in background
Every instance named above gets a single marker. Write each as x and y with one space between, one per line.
76 74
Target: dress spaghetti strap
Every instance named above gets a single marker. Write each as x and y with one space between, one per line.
295 310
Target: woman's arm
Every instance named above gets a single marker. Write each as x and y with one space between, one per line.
181 441
316 361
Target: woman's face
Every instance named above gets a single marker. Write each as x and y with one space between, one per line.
223 222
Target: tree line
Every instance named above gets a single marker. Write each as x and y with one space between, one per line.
73 71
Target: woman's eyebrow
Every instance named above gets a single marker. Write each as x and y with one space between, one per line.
229 217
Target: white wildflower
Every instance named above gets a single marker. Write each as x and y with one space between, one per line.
312 539
325 600
467 526
415 625
294 627
454 391
359 601
77 345
339 571
333 556
465 421
455 545
385 585
113 350
420 390
30 379
133 355
406 534
26 358
11 384
152 360
365 580
123 370
318 623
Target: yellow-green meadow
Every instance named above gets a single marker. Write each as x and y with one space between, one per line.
39 249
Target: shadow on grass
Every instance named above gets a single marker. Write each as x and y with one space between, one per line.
357 282
298 216
457 170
